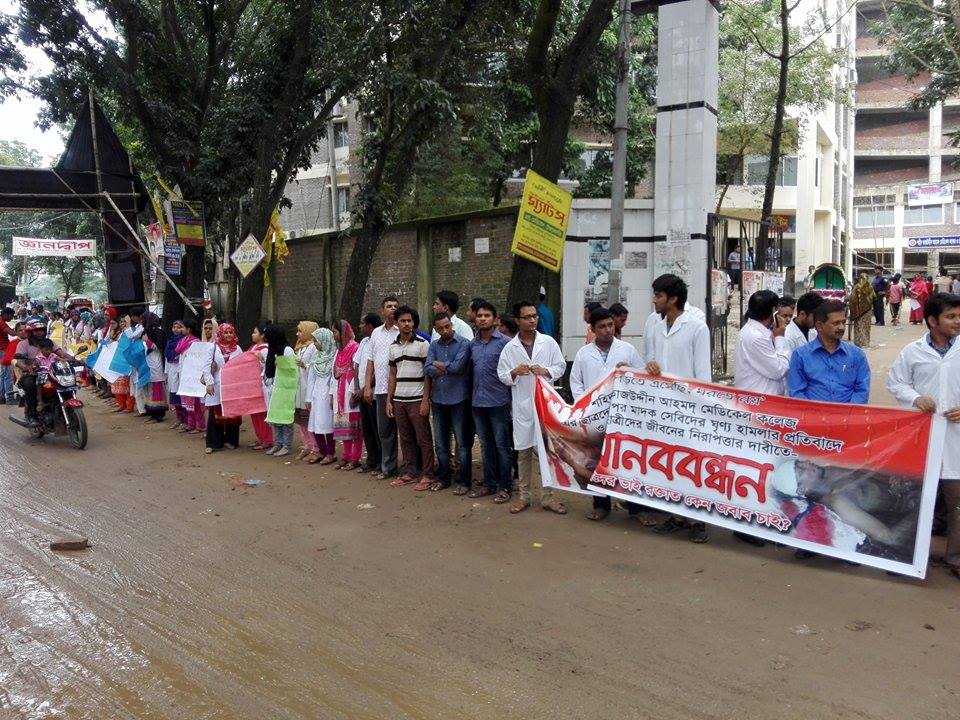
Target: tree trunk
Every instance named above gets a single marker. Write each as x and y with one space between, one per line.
358 270
776 136
555 116
191 282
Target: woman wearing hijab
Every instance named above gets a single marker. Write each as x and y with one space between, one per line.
919 294
154 342
177 331
209 333
306 351
194 407
222 432
346 412
277 346
861 307
120 388
106 328
259 420
319 399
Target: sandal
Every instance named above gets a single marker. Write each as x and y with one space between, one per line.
403 480
312 459
347 467
461 489
438 485
424 484
519 506
208 451
671 524
329 460
303 453
480 492
598 514
698 533
502 497
363 469
555 506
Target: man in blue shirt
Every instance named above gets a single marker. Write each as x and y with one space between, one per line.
546 323
828 368
491 406
447 367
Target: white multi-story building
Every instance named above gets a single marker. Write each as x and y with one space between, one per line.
814 190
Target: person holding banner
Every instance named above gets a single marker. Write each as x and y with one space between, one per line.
278 347
592 364
926 375
222 432
195 416
529 355
678 346
120 388
154 341
173 373
261 429
829 368
306 351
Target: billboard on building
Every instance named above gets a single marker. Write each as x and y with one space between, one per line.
939 193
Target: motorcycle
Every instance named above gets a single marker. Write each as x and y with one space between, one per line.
59 410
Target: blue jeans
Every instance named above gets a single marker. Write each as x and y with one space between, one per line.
447 418
6 381
282 435
495 431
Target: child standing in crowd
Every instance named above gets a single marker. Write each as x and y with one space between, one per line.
154 341
318 397
346 413
259 420
305 350
277 347
173 373
195 416
222 432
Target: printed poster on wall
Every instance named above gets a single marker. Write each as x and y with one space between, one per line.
542 222
172 256
939 193
855 482
750 282
187 221
247 256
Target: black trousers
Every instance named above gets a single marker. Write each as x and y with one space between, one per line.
371 437
605 502
220 434
878 310
28 384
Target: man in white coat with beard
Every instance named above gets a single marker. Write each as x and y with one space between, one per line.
926 376
592 364
528 355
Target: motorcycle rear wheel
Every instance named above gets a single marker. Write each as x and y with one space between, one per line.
77 428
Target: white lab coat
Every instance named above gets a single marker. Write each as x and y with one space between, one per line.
918 371
761 361
651 322
546 354
304 355
589 367
320 395
683 350
795 338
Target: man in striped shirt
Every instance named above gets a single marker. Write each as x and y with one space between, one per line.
408 400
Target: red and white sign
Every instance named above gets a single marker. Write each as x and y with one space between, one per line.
40 247
855 482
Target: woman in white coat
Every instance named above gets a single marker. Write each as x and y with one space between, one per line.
926 376
320 388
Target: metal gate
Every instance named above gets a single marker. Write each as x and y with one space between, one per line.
758 254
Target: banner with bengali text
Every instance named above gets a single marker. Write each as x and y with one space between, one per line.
856 482
46 247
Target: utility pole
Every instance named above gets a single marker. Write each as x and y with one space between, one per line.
618 185
332 167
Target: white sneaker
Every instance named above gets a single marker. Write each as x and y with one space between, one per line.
281 452
272 449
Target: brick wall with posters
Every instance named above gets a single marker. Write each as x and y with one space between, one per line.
299 281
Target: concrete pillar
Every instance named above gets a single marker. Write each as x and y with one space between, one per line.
425 287
686 143
934 142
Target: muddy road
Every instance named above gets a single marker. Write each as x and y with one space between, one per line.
204 598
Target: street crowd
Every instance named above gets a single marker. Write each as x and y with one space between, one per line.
406 406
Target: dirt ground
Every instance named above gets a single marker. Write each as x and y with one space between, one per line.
204 599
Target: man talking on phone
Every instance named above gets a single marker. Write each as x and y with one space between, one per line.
763 356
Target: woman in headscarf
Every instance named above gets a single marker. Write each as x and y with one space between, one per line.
154 342
861 307
120 388
222 431
177 331
209 333
306 351
919 294
106 328
196 418
346 412
277 346
259 420
319 400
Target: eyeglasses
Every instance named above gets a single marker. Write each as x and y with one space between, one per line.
526 317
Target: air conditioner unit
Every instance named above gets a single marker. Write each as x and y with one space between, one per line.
292 234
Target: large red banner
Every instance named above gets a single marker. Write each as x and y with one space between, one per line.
853 481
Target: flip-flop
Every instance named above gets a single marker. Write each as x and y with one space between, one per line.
502 497
425 484
461 490
402 480
555 506
438 485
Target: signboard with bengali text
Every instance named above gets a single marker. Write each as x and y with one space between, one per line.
45 247
248 255
542 222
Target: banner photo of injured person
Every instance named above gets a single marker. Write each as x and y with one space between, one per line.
856 482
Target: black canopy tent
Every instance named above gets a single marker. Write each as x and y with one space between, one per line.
95 174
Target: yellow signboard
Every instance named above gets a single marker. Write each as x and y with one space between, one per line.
542 222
